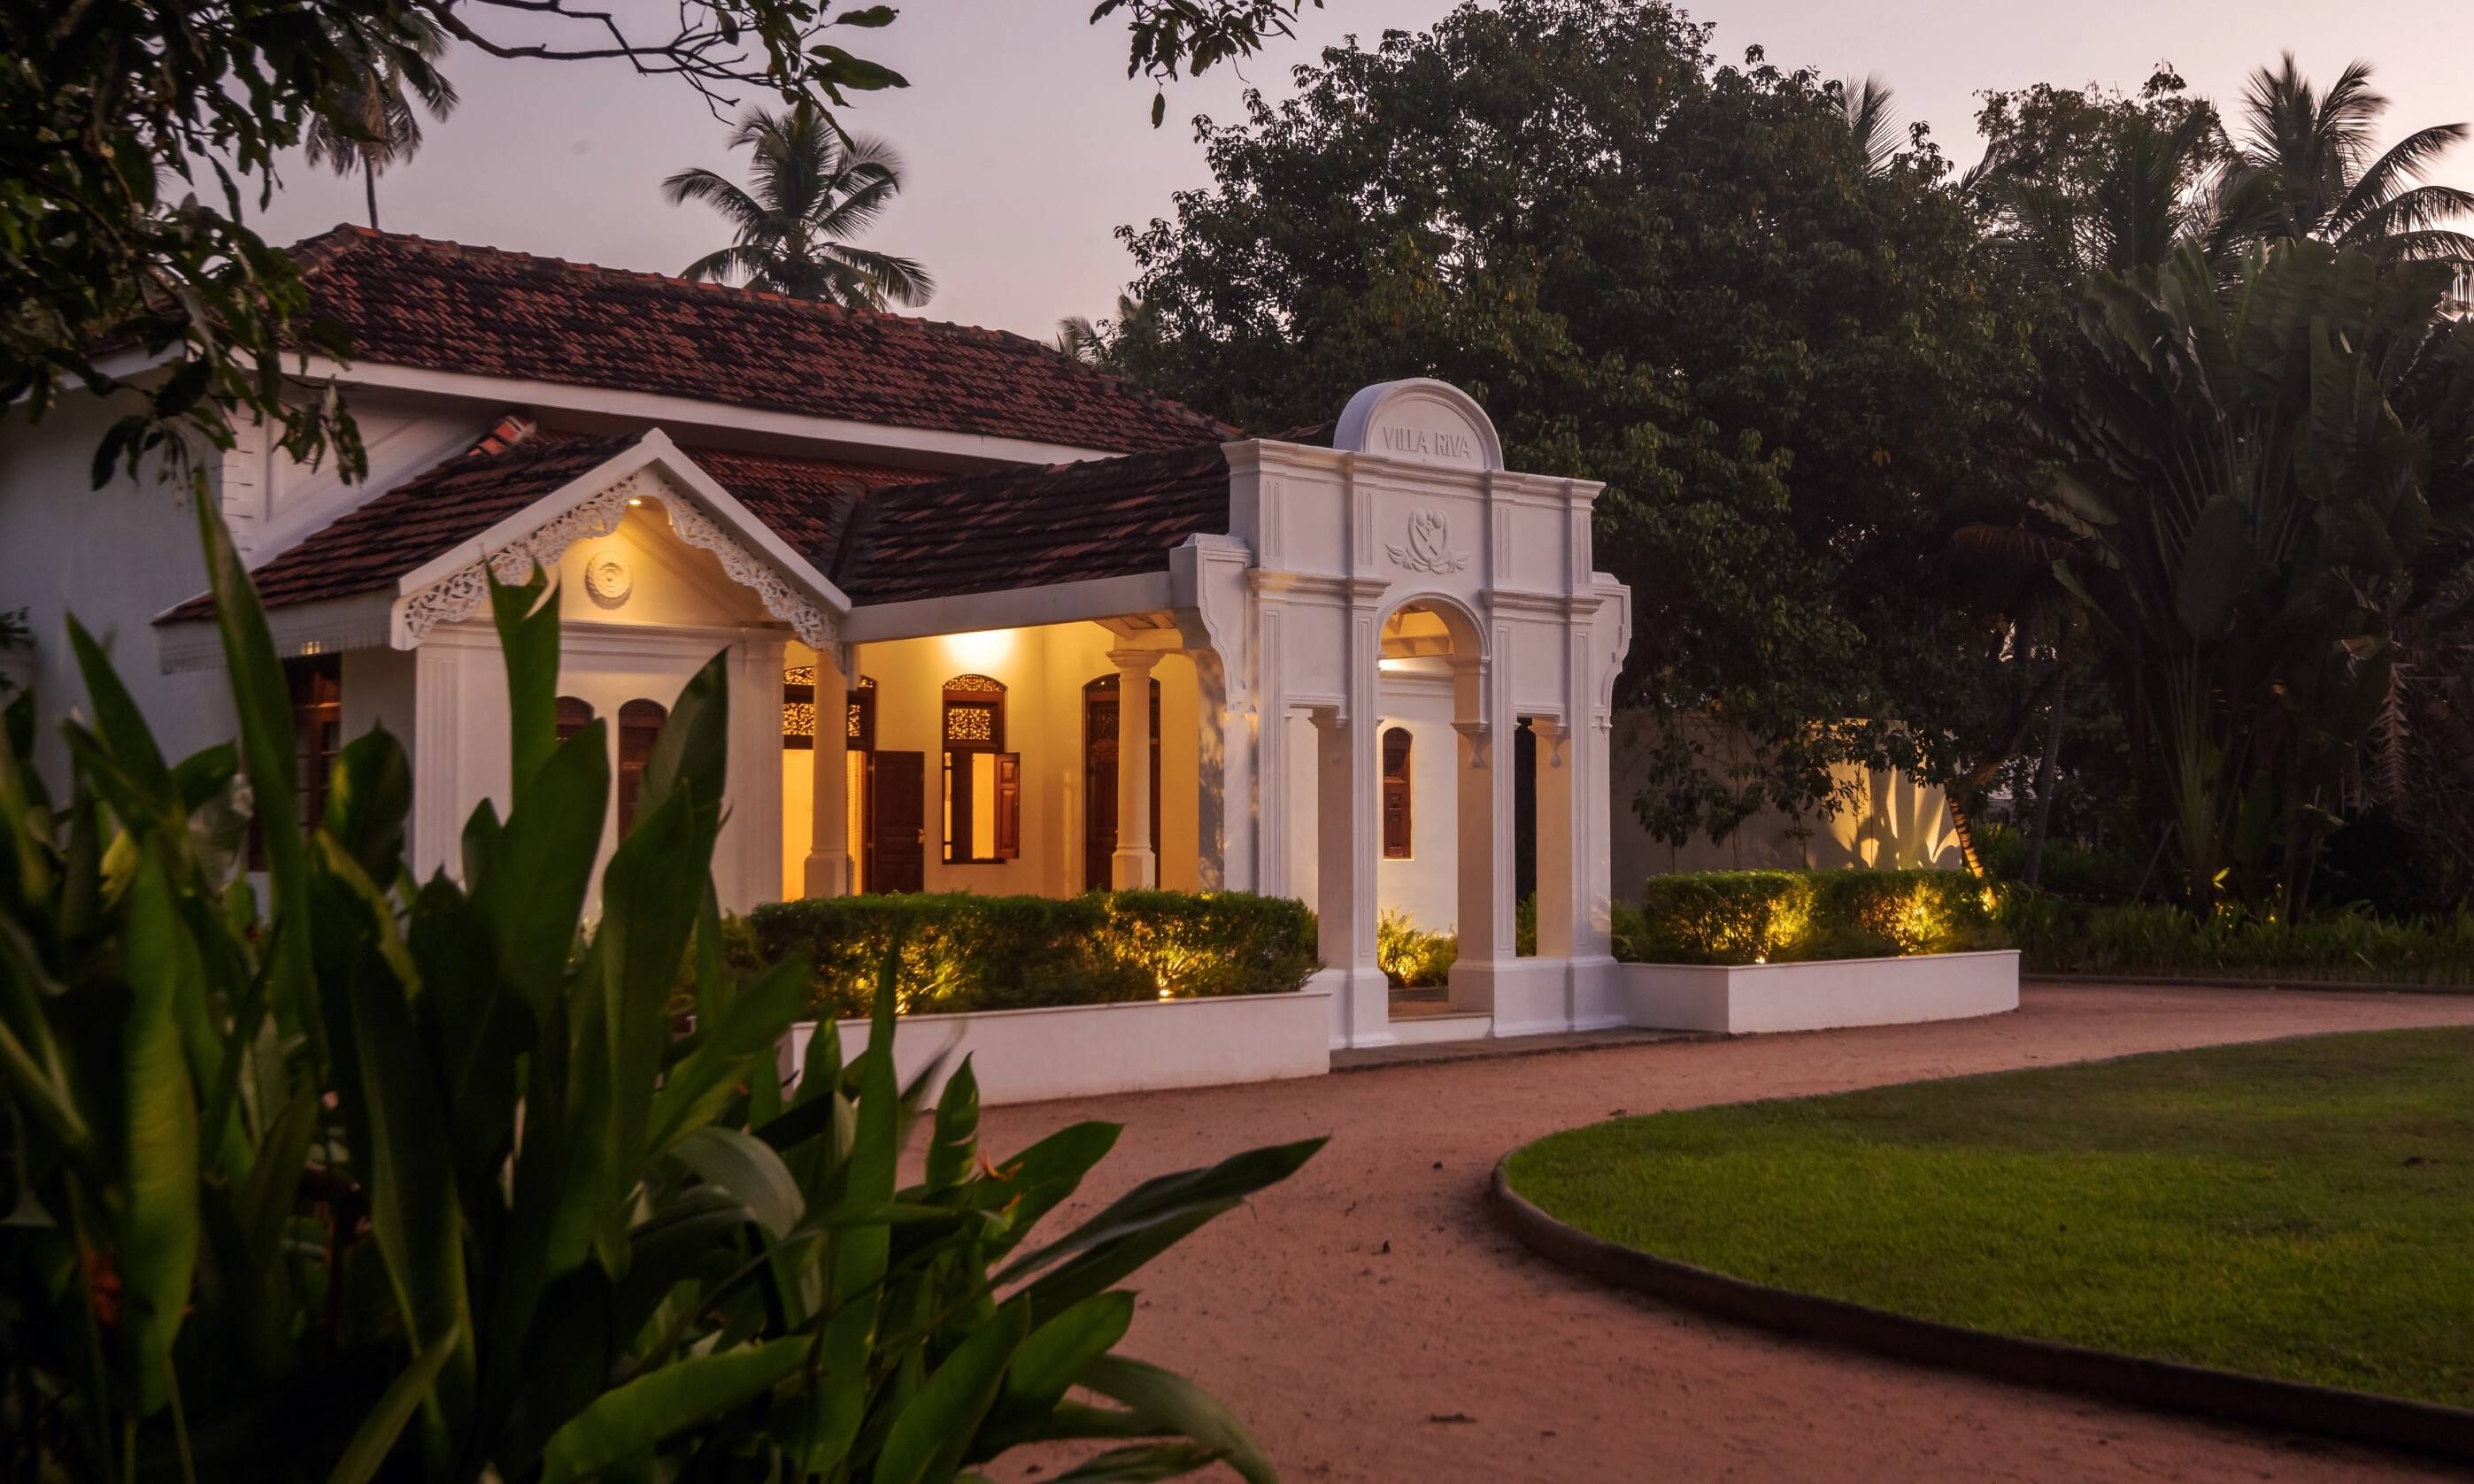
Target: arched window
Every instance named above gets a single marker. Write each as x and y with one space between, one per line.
799 708
640 725
1397 829
574 715
982 780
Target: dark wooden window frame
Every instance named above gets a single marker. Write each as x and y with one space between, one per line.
978 695
640 725
1399 826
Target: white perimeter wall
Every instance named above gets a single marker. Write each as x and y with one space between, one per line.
1896 822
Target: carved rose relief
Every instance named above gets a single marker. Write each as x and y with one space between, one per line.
1429 548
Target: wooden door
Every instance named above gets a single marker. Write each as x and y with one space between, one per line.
897 808
1100 779
1099 788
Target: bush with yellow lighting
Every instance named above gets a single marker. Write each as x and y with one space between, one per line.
1777 917
961 952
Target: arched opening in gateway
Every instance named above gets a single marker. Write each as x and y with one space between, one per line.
1430 700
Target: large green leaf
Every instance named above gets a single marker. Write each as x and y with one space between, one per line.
1178 1405
403 1153
748 1169
262 700
369 798
2217 569
526 616
160 1240
692 750
955 1141
1140 1464
1048 1364
624 1423
1146 1220
930 1435
117 720
377 1435
739 1044
531 876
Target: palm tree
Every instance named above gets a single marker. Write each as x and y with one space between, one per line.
373 123
2308 170
1872 120
815 188
1094 343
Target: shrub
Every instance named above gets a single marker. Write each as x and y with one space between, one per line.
2062 937
959 952
1751 917
404 1180
1410 957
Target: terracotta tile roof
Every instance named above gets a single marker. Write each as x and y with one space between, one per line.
883 535
371 546
807 502
439 306
1031 527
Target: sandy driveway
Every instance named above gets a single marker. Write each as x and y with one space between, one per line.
1371 1324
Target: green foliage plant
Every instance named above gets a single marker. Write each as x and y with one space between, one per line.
137 136
1791 360
2061 937
957 952
1776 917
1412 957
2255 524
374 1178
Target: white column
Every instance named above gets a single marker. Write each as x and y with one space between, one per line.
1135 865
829 860
1561 834
1484 835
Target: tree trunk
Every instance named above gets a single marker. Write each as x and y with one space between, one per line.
2042 825
370 175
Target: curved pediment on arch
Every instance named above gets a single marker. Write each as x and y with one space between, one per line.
1421 420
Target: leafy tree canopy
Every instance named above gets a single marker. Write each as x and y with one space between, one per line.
1792 361
135 133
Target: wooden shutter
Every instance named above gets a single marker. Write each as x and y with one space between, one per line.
1009 805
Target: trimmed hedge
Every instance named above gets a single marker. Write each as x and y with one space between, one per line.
2058 937
1746 917
963 952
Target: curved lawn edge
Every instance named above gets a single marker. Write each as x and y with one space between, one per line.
2288 1406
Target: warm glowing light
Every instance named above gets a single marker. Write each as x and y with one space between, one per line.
634 500
986 651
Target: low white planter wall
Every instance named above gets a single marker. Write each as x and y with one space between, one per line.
1740 998
1024 1056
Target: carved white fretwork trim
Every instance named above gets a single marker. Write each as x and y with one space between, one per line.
455 596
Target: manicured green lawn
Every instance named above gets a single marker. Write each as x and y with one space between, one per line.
2301 1210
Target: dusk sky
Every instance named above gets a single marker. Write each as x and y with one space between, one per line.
1026 145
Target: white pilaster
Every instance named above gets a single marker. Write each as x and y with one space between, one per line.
829 860
1135 865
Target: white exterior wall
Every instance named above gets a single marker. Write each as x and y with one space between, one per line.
680 609
1043 669
116 556
1894 823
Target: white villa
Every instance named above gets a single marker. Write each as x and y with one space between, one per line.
941 560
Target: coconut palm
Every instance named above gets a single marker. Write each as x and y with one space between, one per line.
1872 122
2308 168
814 190
376 123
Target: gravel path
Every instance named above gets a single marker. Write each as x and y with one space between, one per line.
1370 1322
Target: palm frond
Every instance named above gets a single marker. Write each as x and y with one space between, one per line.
2393 173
